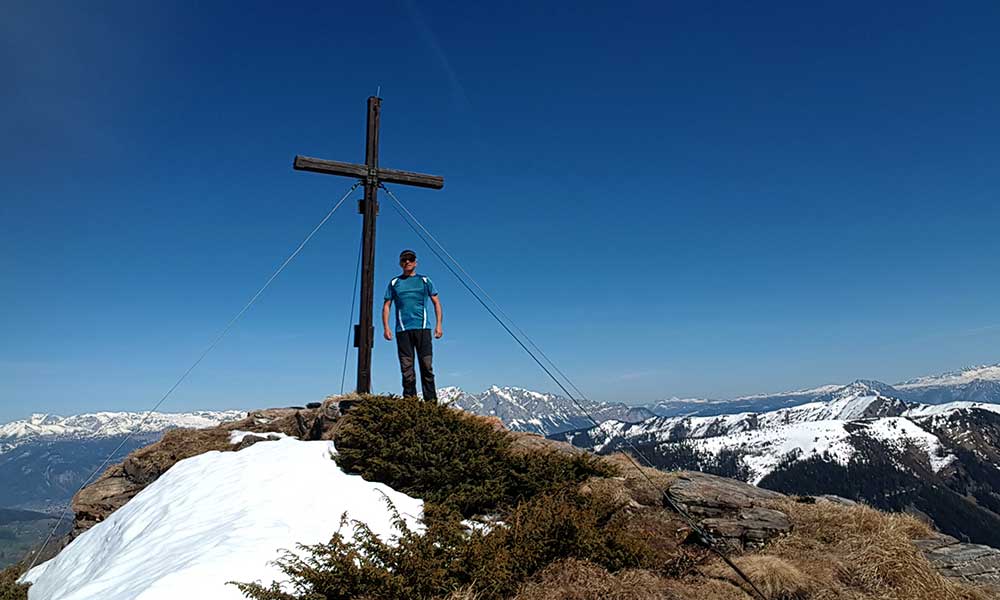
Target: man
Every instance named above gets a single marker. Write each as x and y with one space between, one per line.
410 292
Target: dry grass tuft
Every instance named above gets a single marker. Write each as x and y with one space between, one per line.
174 446
694 588
859 552
466 593
829 522
776 578
573 579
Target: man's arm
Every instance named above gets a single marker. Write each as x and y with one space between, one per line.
438 332
387 333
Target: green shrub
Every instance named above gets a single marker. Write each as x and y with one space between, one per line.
461 466
447 557
10 589
450 458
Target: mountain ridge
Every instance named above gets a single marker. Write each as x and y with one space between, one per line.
859 442
188 516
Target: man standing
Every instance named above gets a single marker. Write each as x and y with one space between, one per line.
410 292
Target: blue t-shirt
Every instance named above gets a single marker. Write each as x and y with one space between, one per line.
410 294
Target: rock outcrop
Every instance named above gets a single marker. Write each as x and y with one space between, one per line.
971 563
120 483
736 515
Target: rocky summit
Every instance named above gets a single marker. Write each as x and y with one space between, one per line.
663 517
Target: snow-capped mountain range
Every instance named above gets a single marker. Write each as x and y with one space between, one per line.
979 384
538 412
105 425
976 384
765 439
764 430
44 458
547 414
930 445
860 441
758 402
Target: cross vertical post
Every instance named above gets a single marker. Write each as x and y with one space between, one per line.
372 176
365 338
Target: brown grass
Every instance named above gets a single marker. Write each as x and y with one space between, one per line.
701 588
573 579
776 578
859 552
147 464
834 553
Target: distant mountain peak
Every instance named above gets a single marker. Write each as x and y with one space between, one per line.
967 375
866 387
43 419
544 413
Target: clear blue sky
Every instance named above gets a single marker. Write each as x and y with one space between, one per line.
692 199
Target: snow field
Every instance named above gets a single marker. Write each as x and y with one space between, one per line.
217 517
763 449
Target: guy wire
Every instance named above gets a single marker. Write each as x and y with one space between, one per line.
703 536
184 376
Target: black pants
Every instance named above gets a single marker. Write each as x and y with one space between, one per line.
420 341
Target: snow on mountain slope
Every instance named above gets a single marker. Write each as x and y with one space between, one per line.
932 410
763 449
860 400
201 536
763 440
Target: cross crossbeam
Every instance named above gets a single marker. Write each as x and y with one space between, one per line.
372 176
335 167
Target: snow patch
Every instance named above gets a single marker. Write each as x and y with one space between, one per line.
217 517
763 449
933 410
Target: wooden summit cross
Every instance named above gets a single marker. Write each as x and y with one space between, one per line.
372 175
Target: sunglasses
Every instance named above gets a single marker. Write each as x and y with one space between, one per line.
403 261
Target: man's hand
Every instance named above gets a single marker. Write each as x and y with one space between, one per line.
386 332
437 316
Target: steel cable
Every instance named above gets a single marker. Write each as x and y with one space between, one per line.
184 376
350 319
704 537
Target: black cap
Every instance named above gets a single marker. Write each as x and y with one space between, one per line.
408 254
